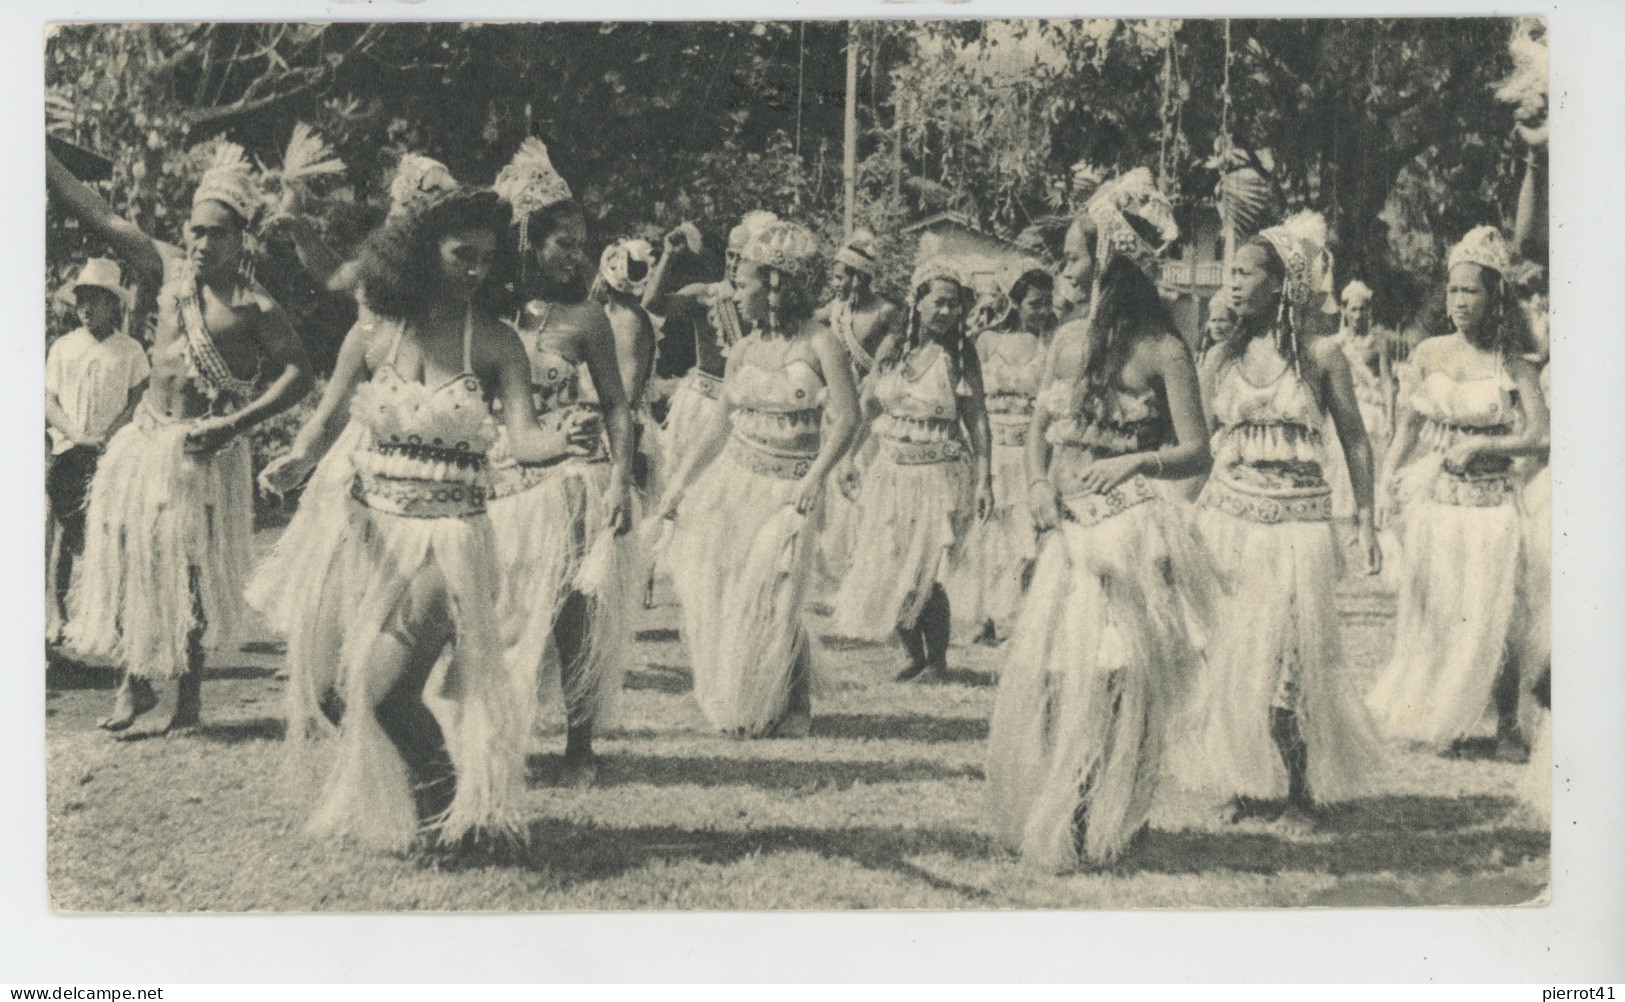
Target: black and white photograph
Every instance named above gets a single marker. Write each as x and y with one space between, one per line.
786 465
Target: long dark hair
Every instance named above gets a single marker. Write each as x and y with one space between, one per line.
1127 309
1510 336
400 264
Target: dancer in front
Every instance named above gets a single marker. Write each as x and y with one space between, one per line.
1278 725
1104 650
427 745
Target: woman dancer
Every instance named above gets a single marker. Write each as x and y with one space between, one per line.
1277 718
746 531
1102 655
426 745
170 512
862 320
569 567
923 486
986 585
1474 405
308 545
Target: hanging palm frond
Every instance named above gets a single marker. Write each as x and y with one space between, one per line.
1247 195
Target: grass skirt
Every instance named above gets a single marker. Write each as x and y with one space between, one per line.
1098 666
742 560
909 519
379 561
1276 644
155 514
1458 601
306 547
1537 572
553 541
985 583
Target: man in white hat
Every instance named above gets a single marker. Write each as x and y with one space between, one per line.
94 376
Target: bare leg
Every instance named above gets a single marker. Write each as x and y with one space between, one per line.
398 668
1510 745
935 627
189 692
571 632
913 642
1288 738
797 719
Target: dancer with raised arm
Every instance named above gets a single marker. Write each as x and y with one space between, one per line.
928 479
1278 725
1103 652
171 509
1474 405
746 532
428 746
697 416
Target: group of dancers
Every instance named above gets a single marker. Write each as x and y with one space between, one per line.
473 536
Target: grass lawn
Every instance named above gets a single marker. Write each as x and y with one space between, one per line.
880 808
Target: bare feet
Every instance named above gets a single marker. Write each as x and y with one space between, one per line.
135 697
797 724
911 671
579 770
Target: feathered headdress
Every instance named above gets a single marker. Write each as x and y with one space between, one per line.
1357 292
1527 85
230 180
861 252
1485 247
1131 196
625 265
1300 242
419 181
307 156
753 223
1247 196
530 184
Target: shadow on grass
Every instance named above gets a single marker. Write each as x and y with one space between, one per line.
1405 835
239 672
276 647
658 635
767 774
832 642
236 732
64 673
573 853
899 727
668 679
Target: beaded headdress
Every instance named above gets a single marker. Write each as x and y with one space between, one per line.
230 180
786 247
1300 242
933 268
1131 196
1356 293
860 253
621 260
1485 247
419 182
529 184
753 223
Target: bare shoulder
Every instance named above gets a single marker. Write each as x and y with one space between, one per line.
495 342
1168 349
1328 355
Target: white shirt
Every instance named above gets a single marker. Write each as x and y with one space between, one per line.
92 381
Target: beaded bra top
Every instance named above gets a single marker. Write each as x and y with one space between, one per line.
1106 419
440 433
918 398
778 409
1010 383
1277 423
